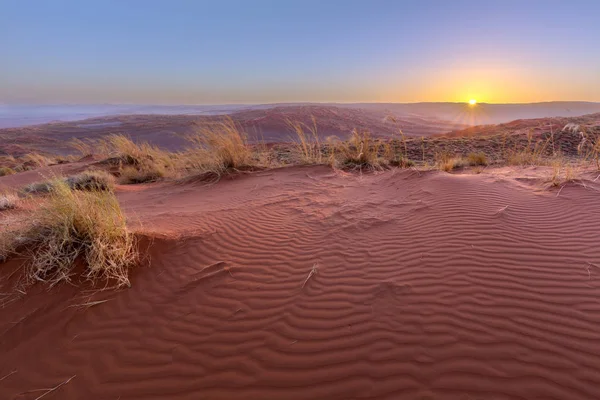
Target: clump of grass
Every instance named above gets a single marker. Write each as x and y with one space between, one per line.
448 162
562 172
41 187
531 154
138 162
222 146
85 148
88 180
477 159
6 171
91 180
141 174
74 225
359 152
307 143
35 160
8 201
395 158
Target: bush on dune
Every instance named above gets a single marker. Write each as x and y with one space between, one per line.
359 152
307 143
475 159
6 171
448 162
88 180
221 146
74 225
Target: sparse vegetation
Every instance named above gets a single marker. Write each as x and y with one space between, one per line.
562 172
307 144
359 152
221 146
141 174
448 162
8 201
6 171
475 159
70 226
88 180
532 154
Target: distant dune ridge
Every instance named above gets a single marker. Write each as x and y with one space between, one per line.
166 126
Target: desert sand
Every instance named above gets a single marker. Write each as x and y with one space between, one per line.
310 283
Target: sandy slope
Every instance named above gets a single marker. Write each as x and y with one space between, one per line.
424 290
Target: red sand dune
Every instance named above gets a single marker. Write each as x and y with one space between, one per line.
427 286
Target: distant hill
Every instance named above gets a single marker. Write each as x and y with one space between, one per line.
482 113
12 116
168 131
523 126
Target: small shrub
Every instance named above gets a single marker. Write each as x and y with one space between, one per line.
477 159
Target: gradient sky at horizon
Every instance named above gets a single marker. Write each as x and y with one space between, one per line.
259 51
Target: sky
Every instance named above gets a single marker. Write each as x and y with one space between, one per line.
259 51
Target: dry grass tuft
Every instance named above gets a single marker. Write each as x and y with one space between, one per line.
141 174
35 160
448 162
360 152
221 146
531 154
477 159
562 172
6 171
308 144
8 201
74 225
88 180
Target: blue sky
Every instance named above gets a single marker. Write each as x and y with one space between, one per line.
216 52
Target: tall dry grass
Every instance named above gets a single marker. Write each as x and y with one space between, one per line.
307 141
70 226
360 152
534 153
221 146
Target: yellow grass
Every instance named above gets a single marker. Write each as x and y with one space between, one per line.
307 143
562 171
74 225
448 162
6 171
532 154
221 146
477 159
8 201
88 180
359 152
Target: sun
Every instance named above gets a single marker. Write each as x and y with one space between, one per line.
472 102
